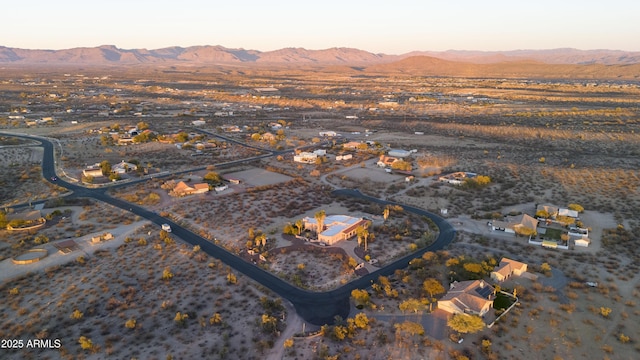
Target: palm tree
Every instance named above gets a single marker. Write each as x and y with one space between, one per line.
299 224
359 231
320 216
363 235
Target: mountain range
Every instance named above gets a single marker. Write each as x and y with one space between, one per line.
208 55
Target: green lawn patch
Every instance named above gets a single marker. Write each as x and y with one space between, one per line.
502 301
553 234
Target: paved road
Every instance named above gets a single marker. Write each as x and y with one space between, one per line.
316 308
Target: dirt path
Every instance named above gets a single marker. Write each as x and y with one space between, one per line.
294 325
10 271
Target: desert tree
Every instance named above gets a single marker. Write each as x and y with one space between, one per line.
465 323
385 212
542 214
288 230
105 166
86 343
407 330
360 297
167 274
413 305
269 324
77 314
180 318
605 311
231 278
212 177
576 207
432 287
361 321
142 126
215 319
545 268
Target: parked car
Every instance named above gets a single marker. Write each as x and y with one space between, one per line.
166 227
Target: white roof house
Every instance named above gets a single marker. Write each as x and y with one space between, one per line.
123 167
91 172
336 227
567 212
305 157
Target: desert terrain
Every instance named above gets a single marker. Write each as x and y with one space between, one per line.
538 139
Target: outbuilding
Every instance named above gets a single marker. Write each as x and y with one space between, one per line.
399 153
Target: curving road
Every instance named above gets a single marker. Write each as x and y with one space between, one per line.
316 308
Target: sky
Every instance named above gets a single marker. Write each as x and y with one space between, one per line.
389 27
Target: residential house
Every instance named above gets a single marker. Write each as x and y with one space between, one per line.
268 136
92 172
328 133
125 140
549 209
582 241
512 225
305 157
473 297
104 237
508 267
352 145
456 178
385 161
123 167
182 189
336 227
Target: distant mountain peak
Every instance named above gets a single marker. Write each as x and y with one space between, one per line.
218 54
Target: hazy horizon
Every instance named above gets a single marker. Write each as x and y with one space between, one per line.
317 49
375 26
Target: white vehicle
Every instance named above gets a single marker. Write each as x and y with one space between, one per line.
166 227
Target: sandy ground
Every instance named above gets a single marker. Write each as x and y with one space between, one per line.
559 317
258 177
121 280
